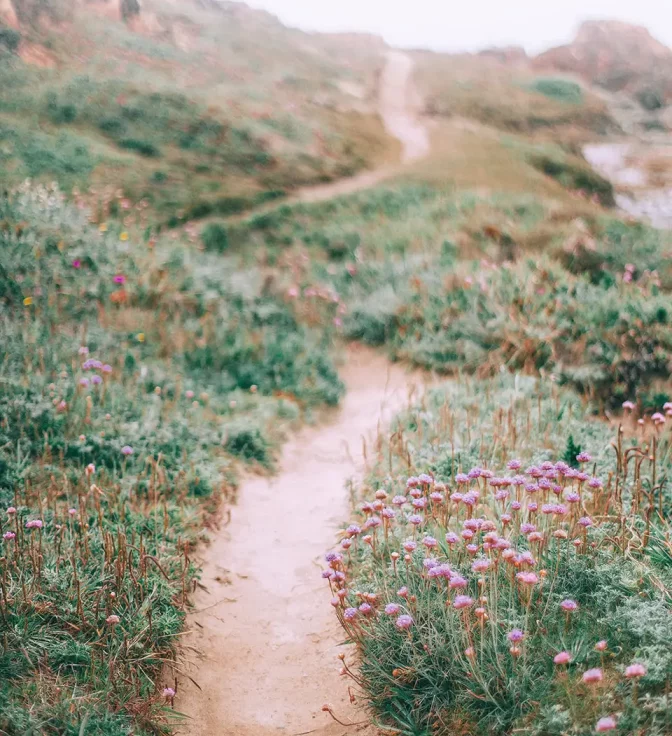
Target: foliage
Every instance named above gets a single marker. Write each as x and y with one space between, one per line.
505 602
561 90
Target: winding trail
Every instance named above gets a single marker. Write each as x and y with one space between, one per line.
263 640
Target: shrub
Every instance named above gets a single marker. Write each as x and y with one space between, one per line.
215 237
143 147
575 177
9 40
559 89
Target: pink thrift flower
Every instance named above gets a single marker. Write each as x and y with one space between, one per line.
605 724
112 619
119 279
562 658
593 675
601 645
635 670
404 622
76 263
462 601
569 605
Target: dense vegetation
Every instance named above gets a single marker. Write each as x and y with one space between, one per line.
498 578
136 377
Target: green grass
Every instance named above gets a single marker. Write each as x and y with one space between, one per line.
561 90
455 670
207 369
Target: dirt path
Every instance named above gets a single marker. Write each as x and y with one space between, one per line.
396 106
262 643
266 633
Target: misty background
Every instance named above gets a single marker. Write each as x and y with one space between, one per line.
448 25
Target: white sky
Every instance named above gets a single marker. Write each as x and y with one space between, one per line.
457 25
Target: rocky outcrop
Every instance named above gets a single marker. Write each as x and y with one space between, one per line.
618 56
509 55
8 16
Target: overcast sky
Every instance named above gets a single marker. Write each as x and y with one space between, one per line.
456 25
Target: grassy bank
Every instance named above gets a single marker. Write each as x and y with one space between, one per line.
508 568
137 378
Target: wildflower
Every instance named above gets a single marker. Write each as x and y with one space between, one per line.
84 382
585 522
595 483
8 536
605 724
452 538
96 380
593 675
461 478
366 609
409 545
658 418
469 652
415 519
562 658
480 565
528 578
404 622
76 263
353 530
635 670
168 693
403 592
628 405
457 581
584 457
436 497
127 450
515 635
430 542
601 645
569 605
514 465
112 619
392 609
72 512
27 301
34 524
83 350
399 500
123 236
119 279
505 518
535 537
11 510
462 601
350 614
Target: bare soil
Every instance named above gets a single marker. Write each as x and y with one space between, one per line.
262 642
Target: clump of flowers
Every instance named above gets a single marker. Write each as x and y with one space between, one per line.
485 574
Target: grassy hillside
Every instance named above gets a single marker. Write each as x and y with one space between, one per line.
189 108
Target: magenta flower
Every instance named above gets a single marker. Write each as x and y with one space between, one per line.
584 457
34 524
392 609
569 605
628 405
635 670
605 724
593 675
8 536
127 450
528 578
462 601
562 658
480 565
76 263
404 622
11 510
601 645
119 279
429 542
515 635
585 522
456 582
168 693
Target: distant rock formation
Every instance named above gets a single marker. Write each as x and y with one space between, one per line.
8 16
509 55
618 56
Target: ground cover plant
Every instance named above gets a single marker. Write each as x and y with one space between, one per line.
136 379
499 578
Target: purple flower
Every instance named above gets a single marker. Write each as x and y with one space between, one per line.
107 368
34 524
452 538
8 536
569 605
392 609
404 622
585 521
119 279
415 519
457 581
584 457
96 379
461 478
399 500
515 635
514 465
595 483
462 601
84 382
366 609
127 450
429 542
353 530
76 263
350 614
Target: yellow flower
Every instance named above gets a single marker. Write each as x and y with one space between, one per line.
60 245
28 301
103 228
123 236
141 336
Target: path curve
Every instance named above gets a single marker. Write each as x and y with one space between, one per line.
263 640
396 108
266 634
